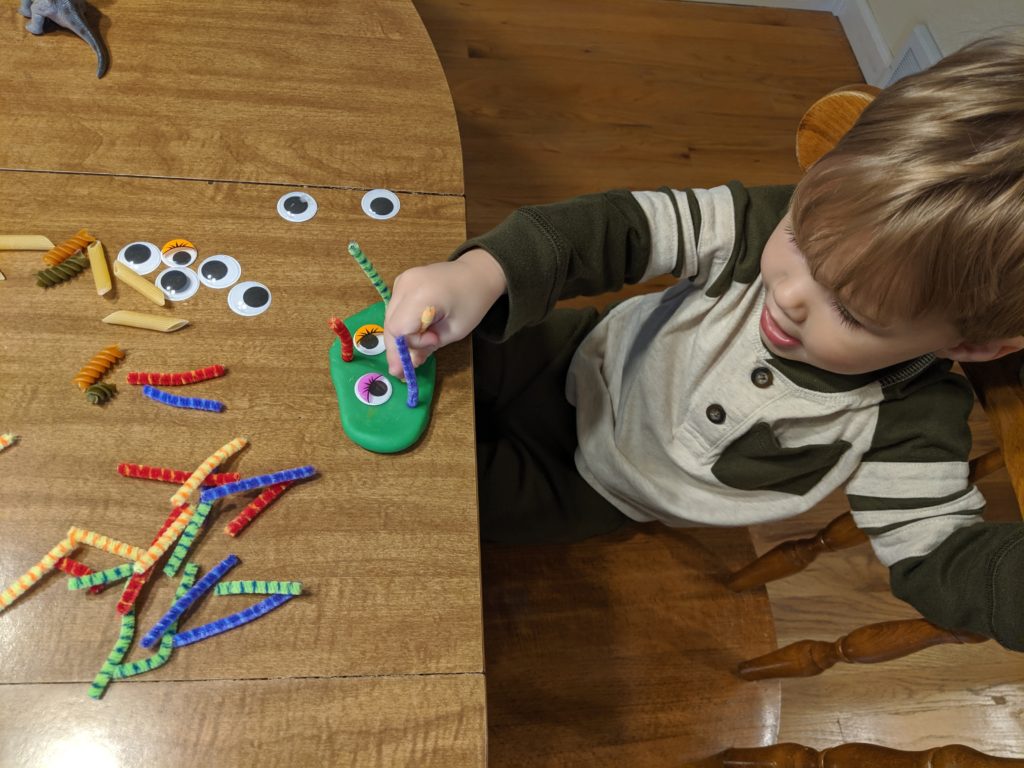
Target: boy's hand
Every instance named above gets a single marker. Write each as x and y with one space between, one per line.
460 293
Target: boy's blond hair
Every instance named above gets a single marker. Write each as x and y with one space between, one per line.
923 199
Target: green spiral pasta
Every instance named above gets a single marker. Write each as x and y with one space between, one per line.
97 394
63 271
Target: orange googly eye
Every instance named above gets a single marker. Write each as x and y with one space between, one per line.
369 339
178 253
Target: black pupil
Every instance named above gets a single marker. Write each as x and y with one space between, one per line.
382 206
370 340
255 297
215 270
136 253
174 281
181 258
378 387
295 205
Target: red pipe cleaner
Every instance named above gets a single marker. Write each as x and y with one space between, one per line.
339 327
137 580
176 379
176 476
256 506
75 568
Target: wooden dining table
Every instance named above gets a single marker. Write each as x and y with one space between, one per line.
209 113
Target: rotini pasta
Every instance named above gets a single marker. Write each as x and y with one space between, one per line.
100 393
177 379
176 476
345 336
211 462
356 253
255 507
413 397
259 481
97 367
180 401
233 621
68 248
7 439
183 603
51 276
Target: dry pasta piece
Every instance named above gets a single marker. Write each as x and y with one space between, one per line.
100 393
25 243
211 462
427 318
98 366
140 284
68 248
51 276
133 319
98 265
7 439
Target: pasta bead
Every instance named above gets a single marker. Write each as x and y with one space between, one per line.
180 401
176 379
68 248
51 276
100 393
98 366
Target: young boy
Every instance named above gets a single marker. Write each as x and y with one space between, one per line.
807 347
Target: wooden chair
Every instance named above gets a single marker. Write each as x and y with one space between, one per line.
999 386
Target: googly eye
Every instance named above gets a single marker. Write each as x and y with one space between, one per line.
178 253
381 204
249 298
369 339
219 271
296 206
373 389
141 257
178 283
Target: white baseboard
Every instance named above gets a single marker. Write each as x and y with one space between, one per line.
873 55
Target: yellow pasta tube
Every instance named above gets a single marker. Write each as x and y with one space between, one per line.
125 274
212 461
107 544
28 579
147 559
132 319
98 265
25 243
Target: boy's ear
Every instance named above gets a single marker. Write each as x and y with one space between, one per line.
984 351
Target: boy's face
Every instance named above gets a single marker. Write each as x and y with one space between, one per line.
804 320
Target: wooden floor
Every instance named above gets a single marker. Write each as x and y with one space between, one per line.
562 97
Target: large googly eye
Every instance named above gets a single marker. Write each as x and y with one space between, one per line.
380 204
178 253
296 206
178 283
369 339
219 271
141 257
373 389
249 298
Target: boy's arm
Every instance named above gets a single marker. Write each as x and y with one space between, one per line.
912 497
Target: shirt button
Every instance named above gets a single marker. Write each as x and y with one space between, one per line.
762 377
715 413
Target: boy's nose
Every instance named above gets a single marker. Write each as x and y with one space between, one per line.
790 297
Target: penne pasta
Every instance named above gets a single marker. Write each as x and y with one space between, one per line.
25 243
132 319
125 274
98 264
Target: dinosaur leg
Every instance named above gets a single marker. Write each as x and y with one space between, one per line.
35 24
26 9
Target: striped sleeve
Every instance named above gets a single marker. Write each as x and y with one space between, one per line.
912 496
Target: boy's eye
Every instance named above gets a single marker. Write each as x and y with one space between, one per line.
845 317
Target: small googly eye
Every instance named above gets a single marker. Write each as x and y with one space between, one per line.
296 206
219 271
178 253
178 283
141 257
369 339
373 389
249 298
381 204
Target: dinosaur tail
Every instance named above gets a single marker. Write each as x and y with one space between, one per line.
78 25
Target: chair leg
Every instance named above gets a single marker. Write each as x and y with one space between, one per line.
793 556
865 645
855 756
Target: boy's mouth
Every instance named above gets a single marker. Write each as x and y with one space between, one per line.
774 333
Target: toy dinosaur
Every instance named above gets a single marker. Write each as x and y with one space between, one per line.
69 14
